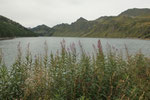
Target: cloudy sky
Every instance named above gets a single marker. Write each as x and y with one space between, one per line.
52 12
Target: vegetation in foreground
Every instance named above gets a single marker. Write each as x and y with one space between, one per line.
66 76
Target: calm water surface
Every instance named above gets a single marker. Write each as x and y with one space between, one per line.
9 47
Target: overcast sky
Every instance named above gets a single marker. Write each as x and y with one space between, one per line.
31 13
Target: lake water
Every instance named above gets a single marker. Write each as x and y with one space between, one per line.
9 47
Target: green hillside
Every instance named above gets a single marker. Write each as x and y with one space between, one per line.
43 30
136 12
130 23
9 28
78 28
122 26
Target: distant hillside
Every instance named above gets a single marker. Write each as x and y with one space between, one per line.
9 28
121 26
43 30
130 23
136 12
78 28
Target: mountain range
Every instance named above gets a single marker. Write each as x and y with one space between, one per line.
132 23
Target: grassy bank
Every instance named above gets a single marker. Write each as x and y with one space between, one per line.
65 76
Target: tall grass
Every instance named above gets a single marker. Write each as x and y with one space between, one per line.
65 76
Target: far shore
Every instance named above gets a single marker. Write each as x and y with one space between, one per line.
6 38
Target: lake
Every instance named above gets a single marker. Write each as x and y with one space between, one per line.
9 47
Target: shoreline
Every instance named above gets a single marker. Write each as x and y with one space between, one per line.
7 38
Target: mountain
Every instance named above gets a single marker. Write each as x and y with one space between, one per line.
122 27
130 23
81 19
136 12
9 28
76 29
43 30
